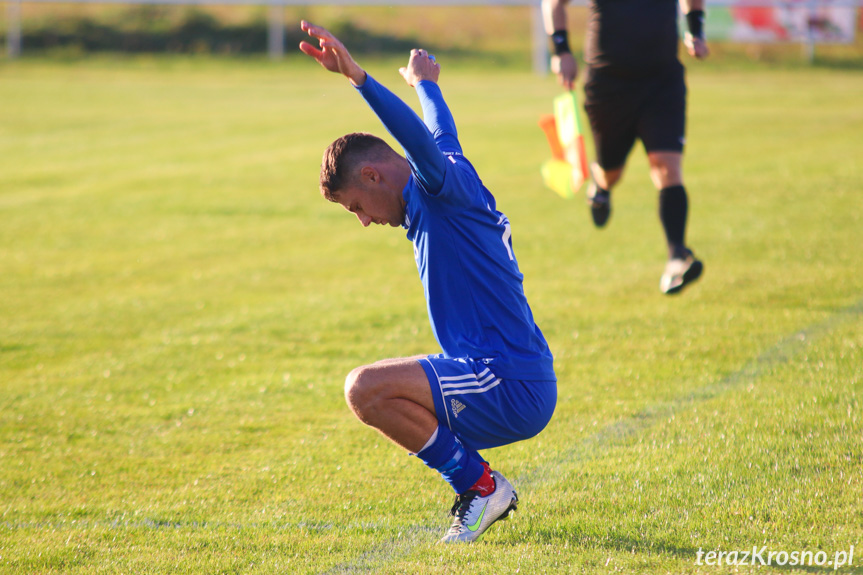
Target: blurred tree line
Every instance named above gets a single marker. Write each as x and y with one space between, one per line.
148 28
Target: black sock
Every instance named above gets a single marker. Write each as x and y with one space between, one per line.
673 207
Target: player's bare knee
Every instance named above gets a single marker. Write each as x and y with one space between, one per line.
360 388
351 385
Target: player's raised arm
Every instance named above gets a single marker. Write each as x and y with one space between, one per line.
332 54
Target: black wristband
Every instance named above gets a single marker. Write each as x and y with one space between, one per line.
560 41
695 21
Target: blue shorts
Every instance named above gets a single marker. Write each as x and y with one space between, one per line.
482 410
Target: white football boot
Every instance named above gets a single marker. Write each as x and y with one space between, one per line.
474 514
679 272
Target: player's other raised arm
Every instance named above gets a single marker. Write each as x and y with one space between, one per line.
422 73
426 159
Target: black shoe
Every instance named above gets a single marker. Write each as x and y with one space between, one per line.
600 204
679 272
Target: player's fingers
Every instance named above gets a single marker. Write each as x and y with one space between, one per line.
316 31
310 28
307 48
332 44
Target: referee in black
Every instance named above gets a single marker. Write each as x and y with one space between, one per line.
635 89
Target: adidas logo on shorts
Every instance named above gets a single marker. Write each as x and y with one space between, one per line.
457 407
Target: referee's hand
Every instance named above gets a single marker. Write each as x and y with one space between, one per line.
566 68
696 47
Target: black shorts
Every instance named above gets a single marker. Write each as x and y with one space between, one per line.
652 109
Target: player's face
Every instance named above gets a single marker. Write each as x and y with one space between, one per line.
373 205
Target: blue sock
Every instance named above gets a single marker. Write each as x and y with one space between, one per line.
460 467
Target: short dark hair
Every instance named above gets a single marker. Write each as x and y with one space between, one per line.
342 157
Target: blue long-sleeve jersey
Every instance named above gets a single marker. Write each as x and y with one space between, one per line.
462 243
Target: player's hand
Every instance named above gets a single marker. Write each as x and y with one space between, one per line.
332 54
566 68
421 66
696 47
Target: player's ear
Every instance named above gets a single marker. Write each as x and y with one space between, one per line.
369 175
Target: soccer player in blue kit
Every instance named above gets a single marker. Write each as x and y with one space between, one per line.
494 383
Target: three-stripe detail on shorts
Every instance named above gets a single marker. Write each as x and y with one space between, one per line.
470 383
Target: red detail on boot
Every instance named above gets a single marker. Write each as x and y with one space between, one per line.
485 484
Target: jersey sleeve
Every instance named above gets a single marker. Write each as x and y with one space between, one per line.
426 159
438 117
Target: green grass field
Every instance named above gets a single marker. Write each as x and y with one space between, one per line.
180 307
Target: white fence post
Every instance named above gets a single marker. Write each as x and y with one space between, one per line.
13 28
276 31
540 43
